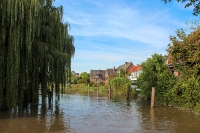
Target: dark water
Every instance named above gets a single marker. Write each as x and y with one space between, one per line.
78 112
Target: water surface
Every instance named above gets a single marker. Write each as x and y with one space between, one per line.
83 112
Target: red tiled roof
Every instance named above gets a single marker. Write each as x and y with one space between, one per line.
136 68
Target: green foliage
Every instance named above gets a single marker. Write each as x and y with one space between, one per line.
79 81
185 92
74 79
91 83
101 83
151 69
122 73
84 75
194 3
119 83
106 86
36 49
166 81
184 51
84 78
95 85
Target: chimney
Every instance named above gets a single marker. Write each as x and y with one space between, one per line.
126 62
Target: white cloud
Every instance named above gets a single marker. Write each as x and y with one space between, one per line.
130 32
118 21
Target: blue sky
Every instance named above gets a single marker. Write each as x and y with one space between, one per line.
110 32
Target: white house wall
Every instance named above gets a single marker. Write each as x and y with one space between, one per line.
134 75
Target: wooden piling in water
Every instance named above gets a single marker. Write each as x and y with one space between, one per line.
153 97
128 93
98 91
109 91
88 89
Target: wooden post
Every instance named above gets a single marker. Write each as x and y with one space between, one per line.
128 93
88 89
152 118
97 90
153 97
109 91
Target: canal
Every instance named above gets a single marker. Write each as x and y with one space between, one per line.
92 112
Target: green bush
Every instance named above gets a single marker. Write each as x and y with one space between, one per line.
95 85
151 69
120 84
91 83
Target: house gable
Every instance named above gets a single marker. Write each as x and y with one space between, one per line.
97 75
75 74
110 73
127 66
135 72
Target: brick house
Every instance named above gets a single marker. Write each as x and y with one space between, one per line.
75 74
97 76
109 74
127 66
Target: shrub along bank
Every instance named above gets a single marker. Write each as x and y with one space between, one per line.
183 90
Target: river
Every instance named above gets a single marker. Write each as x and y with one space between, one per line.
91 112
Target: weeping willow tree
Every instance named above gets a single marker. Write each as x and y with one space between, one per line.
35 50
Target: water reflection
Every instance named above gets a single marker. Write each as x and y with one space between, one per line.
152 118
86 111
34 118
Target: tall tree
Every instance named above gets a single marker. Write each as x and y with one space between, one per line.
184 51
35 49
151 69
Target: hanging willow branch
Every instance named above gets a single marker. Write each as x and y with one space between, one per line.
35 50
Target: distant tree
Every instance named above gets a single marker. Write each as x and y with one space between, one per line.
74 79
121 73
84 78
119 83
84 74
194 3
